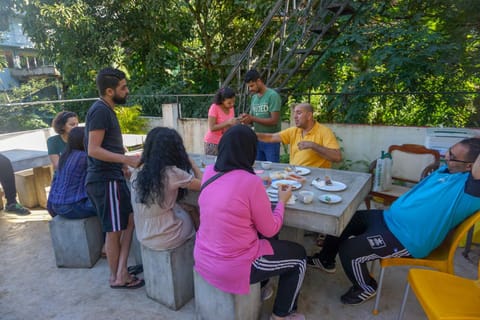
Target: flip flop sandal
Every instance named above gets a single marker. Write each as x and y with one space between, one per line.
134 270
134 284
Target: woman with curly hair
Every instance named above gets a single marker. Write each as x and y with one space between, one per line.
162 179
63 123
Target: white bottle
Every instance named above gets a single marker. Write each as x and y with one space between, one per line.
387 170
378 178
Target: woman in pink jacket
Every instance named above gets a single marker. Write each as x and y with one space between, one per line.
234 210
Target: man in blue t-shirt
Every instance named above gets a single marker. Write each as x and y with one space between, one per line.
414 225
106 185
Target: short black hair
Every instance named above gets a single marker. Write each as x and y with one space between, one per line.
109 78
252 75
473 145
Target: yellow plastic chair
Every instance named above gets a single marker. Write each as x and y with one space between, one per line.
440 259
444 296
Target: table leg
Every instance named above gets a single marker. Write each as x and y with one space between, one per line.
43 178
292 234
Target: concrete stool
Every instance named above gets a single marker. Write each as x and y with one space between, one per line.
2 194
135 250
168 274
77 243
25 184
212 303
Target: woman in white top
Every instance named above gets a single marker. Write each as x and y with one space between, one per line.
162 179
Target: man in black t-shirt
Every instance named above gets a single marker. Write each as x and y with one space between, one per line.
106 185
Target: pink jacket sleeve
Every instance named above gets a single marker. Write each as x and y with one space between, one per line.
268 223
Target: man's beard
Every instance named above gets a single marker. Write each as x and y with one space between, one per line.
119 100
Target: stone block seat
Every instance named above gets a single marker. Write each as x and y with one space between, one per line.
77 243
213 303
168 274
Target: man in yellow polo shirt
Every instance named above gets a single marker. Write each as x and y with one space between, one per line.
311 143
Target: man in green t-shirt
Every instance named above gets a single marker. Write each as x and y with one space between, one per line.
264 115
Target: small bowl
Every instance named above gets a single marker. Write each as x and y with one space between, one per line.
306 196
266 165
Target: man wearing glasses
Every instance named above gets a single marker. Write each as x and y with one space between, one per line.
414 225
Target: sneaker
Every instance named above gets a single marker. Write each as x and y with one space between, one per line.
16 208
314 261
356 295
293 316
267 292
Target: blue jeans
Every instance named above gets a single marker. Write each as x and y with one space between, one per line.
78 210
268 151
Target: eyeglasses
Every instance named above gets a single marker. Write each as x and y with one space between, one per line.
451 158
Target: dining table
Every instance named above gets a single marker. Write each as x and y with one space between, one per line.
333 204
38 160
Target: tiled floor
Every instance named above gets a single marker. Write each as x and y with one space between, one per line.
32 287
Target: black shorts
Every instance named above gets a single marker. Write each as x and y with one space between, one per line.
112 202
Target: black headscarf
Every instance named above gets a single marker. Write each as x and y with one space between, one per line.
237 149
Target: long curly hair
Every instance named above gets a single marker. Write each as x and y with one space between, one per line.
163 148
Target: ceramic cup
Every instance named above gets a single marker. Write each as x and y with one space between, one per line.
266 165
306 196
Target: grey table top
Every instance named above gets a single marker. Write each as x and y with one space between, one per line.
316 216
26 159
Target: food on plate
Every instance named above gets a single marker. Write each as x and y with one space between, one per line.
288 169
277 175
295 177
327 199
328 181
282 186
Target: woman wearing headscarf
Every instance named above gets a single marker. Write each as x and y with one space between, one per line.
234 210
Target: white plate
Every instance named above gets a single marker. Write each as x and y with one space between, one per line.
302 171
295 184
335 186
330 198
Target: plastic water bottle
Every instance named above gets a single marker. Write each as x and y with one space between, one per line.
387 170
377 181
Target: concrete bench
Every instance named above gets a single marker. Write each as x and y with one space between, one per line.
135 249
212 303
77 243
168 274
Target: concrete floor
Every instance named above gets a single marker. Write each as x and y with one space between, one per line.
32 287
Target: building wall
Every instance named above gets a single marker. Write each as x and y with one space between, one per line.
359 142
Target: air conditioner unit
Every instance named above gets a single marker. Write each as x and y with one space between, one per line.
441 139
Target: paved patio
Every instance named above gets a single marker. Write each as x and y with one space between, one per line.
32 287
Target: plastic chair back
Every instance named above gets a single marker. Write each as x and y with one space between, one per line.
441 259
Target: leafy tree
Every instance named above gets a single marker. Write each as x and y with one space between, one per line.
399 62
179 45
17 117
393 54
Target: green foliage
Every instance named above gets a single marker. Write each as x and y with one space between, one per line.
130 120
397 63
18 117
167 46
285 156
402 63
